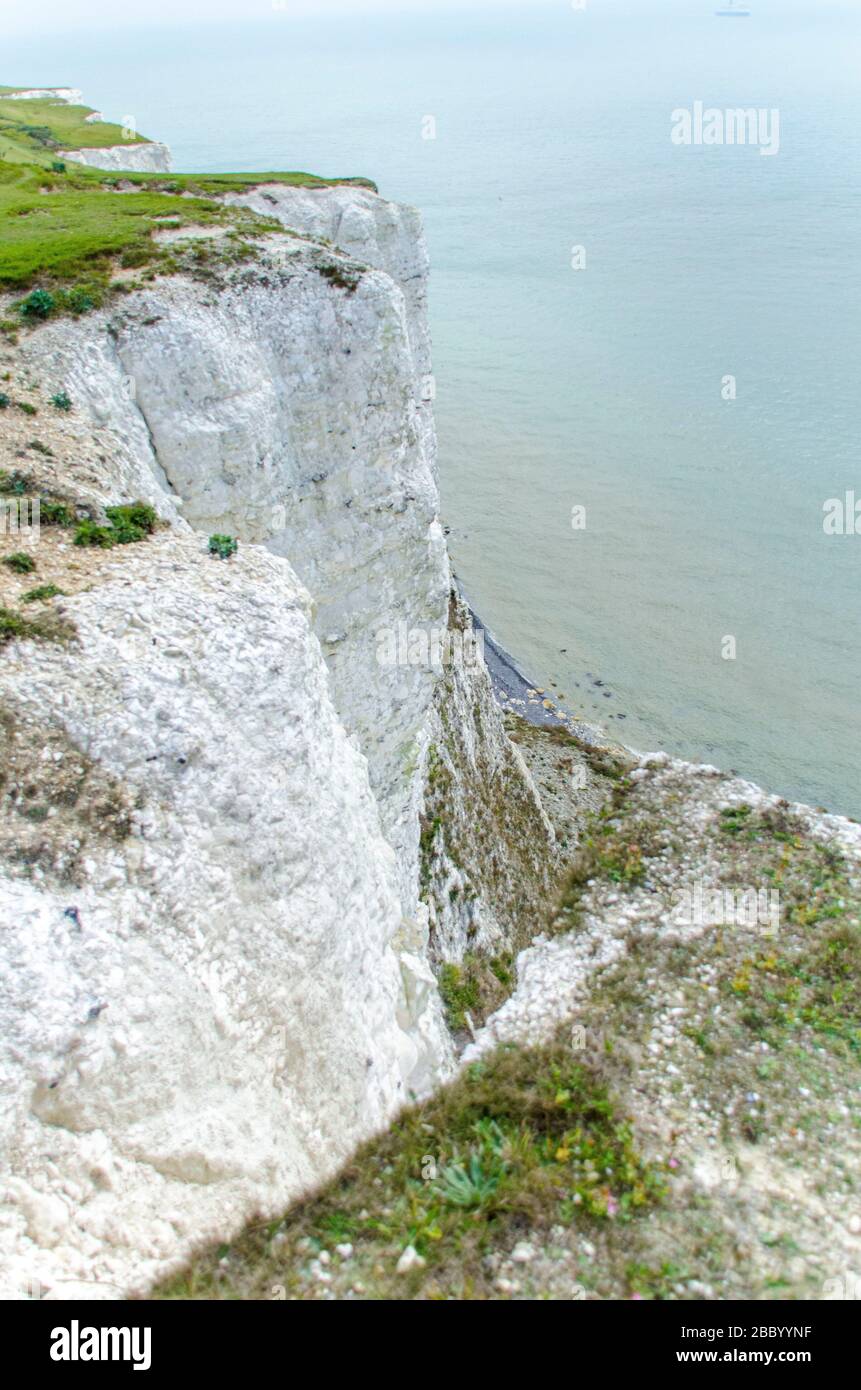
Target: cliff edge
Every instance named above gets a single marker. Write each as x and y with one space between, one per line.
219 972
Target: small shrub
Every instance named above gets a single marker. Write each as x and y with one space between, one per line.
41 448
39 304
41 593
61 400
132 522
80 300
4 401
92 533
735 819
20 562
129 522
26 408
223 546
57 166
342 278
53 513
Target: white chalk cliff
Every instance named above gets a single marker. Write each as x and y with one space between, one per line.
136 156
139 157
206 1010
69 96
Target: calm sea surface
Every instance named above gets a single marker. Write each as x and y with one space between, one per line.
599 387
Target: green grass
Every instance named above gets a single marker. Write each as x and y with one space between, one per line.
45 125
130 522
609 848
19 484
20 562
810 978
478 986
39 128
54 513
215 185
519 1142
41 594
460 994
62 228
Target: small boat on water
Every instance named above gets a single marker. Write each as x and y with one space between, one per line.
732 12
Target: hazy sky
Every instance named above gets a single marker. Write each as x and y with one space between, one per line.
37 17
32 16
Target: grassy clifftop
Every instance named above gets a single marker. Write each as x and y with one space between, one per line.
32 131
66 225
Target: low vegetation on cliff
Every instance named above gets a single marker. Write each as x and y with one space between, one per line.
63 227
519 1143
664 1107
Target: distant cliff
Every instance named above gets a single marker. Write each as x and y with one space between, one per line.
53 120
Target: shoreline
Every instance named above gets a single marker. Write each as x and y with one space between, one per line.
515 693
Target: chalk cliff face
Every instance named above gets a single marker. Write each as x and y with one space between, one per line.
217 978
212 1013
70 96
141 157
288 410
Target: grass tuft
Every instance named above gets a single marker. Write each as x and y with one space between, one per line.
41 593
20 562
